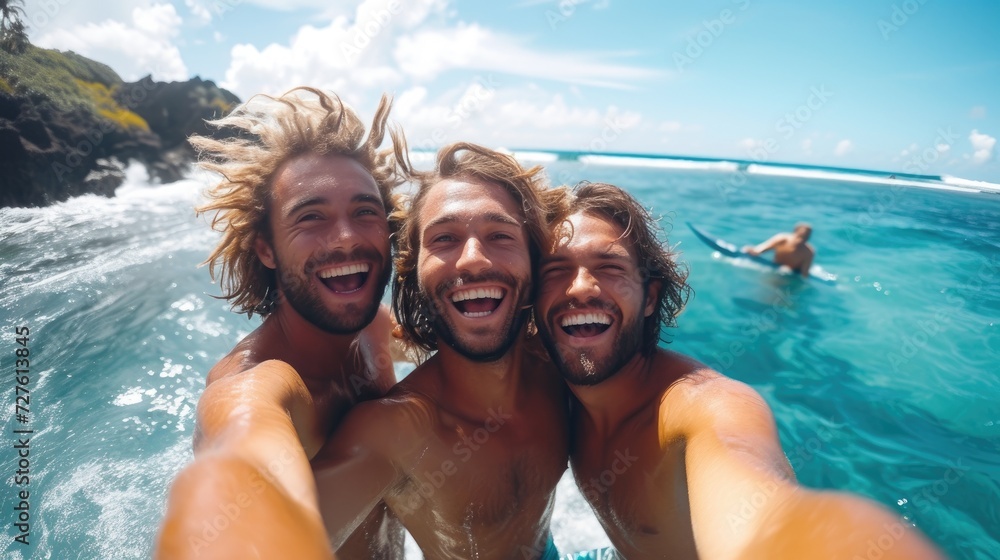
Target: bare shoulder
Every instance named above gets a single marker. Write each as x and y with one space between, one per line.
244 356
702 397
392 426
268 383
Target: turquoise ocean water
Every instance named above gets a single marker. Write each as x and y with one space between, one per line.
886 384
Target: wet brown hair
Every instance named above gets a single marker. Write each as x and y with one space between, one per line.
264 133
657 262
541 207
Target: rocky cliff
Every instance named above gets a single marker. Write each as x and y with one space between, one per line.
70 125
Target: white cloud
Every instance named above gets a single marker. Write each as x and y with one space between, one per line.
843 148
566 7
943 148
44 17
351 56
200 10
807 146
978 112
388 43
206 10
528 117
406 47
983 145
429 53
143 46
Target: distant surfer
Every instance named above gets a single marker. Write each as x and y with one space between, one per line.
790 249
303 209
676 459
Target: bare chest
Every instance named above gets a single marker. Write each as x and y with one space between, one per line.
639 494
484 482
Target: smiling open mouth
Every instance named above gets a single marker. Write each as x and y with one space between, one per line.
477 302
345 279
585 325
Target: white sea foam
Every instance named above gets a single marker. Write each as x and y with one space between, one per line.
658 163
978 185
847 176
574 525
537 157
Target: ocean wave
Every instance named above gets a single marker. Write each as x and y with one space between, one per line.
536 156
687 164
850 177
978 185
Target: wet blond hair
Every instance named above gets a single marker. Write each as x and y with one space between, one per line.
260 136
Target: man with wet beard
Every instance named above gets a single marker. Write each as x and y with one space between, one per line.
468 448
303 208
677 460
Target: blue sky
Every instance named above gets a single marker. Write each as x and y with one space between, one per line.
877 84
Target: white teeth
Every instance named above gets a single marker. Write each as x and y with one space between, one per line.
477 293
344 270
586 319
479 314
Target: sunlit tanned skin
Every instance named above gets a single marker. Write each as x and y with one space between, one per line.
468 448
677 460
790 249
275 399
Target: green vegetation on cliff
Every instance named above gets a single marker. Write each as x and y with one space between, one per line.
70 125
68 81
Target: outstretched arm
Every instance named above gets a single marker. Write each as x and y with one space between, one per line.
250 489
765 246
362 462
745 502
